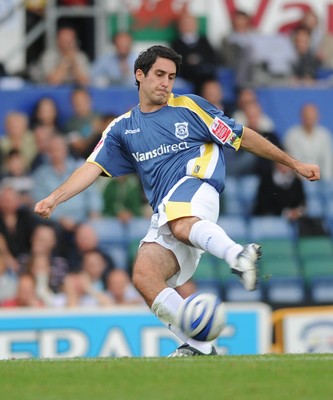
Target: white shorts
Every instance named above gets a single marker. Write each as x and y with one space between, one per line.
189 197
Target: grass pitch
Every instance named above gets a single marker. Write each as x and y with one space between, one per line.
287 377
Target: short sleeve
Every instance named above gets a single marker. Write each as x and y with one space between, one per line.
110 156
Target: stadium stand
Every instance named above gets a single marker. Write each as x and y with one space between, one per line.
270 227
112 237
285 290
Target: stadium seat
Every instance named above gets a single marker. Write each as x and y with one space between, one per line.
223 273
206 269
327 190
312 189
323 73
321 289
317 267
314 198
109 230
235 291
235 227
315 207
112 238
285 290
231 202
206 275
269 227
329 222
329 209
315 246
226 77
279 267
278 248
208 286
136 229
247 191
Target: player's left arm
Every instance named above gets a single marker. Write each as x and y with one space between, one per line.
260 146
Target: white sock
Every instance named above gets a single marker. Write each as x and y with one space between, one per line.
165 308
212 238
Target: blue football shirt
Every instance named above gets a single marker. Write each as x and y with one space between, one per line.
183 138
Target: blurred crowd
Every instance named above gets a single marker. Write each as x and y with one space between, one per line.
59 263
293 57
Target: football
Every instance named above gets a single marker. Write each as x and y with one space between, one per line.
202 316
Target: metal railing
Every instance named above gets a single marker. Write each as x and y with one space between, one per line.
49 24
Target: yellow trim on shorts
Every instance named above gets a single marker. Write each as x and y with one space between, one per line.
186 102
177 209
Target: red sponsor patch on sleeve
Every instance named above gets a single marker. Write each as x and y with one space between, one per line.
98 144
221 130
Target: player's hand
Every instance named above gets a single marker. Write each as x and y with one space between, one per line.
44 208
309 171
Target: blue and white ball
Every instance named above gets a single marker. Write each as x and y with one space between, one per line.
202 316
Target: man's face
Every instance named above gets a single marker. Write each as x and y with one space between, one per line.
156 86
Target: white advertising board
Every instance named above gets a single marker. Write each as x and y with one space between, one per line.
310 332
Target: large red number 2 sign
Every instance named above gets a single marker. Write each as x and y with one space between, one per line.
263 4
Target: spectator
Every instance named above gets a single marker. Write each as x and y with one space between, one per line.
39 267
245 97
45 114
26 295
245 163
280 192
121 290
16 226
321 42
121 58
250 54
310 141
94 265
82 288
123 198
42 135
255 118
84 25
212 91
66 64
86 241
8 280
78 291
306 64
84 127
45 243
18 137
236 48
47 177
16 175
200 60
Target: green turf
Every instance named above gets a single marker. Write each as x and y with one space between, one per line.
281 377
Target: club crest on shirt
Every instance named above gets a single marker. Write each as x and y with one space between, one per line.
181 130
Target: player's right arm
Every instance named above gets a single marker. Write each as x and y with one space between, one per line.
80 179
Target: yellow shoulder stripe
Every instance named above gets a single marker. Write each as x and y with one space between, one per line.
186 102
